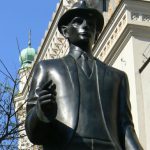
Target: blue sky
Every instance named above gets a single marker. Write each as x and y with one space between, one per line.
17 17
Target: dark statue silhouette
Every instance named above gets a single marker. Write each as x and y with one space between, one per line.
77 102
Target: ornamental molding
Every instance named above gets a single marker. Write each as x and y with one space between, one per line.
57 48
141 17
111 33
68 3
119 24
112 38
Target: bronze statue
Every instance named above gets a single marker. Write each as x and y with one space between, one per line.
77 102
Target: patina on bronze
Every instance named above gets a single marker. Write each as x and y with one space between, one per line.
77 102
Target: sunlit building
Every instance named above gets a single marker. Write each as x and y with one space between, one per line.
124 44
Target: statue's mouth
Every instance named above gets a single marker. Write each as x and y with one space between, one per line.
85 33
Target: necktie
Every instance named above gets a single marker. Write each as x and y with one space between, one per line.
84 64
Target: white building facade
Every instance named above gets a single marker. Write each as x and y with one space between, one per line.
124 44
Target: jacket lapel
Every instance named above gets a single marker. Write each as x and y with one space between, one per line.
101 69
75 97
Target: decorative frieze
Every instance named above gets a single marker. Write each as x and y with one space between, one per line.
113 37
146 18
135 16
57 47
68 3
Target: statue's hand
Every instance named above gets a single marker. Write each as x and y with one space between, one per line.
47 99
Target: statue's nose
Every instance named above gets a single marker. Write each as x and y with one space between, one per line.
85 24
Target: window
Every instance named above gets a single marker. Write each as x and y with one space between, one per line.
104 5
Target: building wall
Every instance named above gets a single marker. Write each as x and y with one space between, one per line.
145 79
123 44
125 62
141 54
130 60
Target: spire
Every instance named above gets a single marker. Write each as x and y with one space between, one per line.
29 40
28 54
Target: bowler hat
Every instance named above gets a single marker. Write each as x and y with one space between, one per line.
81 8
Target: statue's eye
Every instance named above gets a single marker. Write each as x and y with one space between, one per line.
77 21
91 23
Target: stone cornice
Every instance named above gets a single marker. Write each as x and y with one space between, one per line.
129 13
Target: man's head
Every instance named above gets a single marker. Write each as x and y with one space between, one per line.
81 30
83 20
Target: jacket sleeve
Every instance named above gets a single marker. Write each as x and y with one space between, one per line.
128 136
38 127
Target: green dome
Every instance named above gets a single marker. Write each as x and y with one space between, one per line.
27 56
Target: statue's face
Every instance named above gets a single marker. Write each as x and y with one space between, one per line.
82 30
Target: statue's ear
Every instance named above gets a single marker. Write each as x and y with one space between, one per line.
64 31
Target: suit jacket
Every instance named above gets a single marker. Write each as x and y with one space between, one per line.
57 132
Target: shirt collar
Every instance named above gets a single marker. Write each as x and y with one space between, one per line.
77 53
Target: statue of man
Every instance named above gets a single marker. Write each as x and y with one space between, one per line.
77 102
